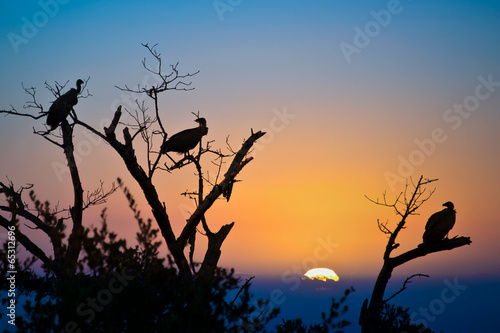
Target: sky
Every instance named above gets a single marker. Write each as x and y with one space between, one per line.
356 97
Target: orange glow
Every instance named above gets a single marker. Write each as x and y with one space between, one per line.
330 140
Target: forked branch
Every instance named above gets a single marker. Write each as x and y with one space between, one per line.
403 288
237 164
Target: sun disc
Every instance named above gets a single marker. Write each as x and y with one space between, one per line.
322 274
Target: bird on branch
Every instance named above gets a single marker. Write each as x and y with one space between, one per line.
186 140
62 106
439 224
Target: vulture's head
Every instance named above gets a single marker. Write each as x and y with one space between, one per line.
202 122
79 85
449 205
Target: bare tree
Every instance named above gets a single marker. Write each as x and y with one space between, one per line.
405 205
63 260
149 128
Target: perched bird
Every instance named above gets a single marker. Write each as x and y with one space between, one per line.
439 224
186 140
63 105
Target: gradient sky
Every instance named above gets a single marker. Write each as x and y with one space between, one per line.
352 123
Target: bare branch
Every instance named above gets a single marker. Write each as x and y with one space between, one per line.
127 154
26 242
423 250
32 103
247 282
116 118
383 227
408 280
20 208
237 164
406 204
13 111
99 195
170 81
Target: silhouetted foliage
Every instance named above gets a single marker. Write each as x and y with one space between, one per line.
119 288
90 279
136 286
330 323
395 319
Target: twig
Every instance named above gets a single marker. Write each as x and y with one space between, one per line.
408 280
241 289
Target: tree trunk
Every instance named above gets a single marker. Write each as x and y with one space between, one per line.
213 253
370 317
127 153
176 245
70 261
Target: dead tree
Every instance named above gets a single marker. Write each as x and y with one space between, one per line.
150 129
62 262
175 244
405 205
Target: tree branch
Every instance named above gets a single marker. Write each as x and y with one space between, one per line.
423 250
419 195
408 280
237 164
27 243
166 79
213 252
128 155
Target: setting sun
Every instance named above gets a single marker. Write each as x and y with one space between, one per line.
322 274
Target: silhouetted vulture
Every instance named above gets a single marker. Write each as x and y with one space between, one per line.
186 140
62 106
439 224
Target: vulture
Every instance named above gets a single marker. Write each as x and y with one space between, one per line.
439 224
186 140
63 105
